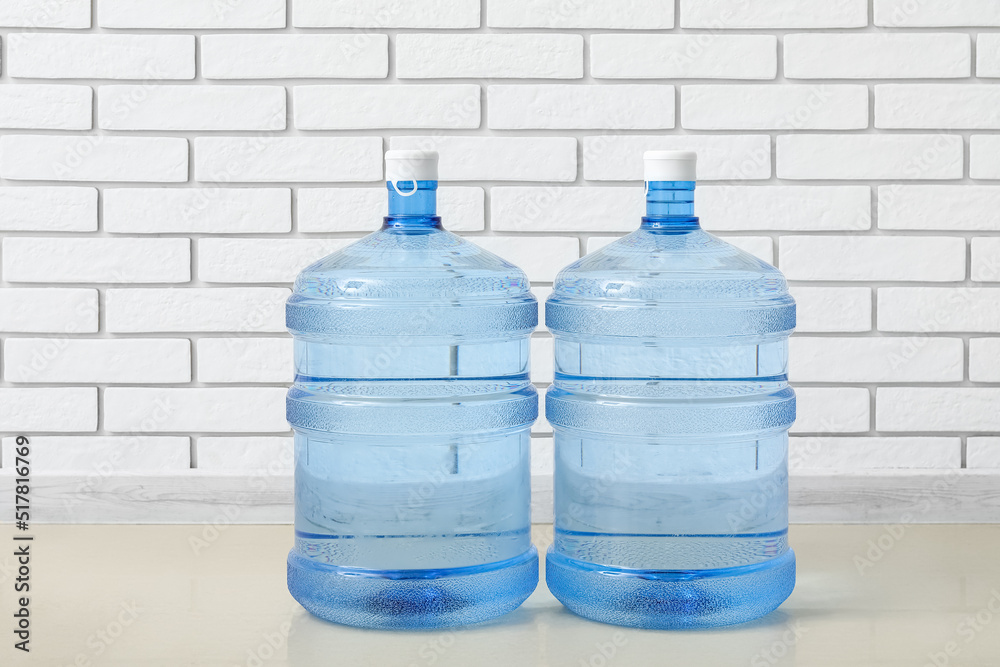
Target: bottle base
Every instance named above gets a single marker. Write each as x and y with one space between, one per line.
670 599
405 599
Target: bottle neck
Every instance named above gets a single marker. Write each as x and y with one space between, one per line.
670 206
412 204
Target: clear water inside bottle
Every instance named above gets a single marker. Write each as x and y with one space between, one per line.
411 408
670 410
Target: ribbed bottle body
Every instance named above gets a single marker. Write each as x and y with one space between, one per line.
670 410
411 410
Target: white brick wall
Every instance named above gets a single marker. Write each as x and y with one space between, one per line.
774 14
45 14
683 56
384 14
35 157
193 107
100 56
191 14
46 107
166 168
521 56
621 15
877 56
367 106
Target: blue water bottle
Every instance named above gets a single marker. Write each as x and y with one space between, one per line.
670 409
411 409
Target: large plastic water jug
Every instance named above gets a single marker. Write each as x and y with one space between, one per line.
670 410
411 409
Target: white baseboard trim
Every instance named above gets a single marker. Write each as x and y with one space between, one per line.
960 496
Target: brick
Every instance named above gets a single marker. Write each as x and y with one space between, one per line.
877 56
115 361
945 207
104 454
832 309
499 158
521 56
539 256
984 156
260 260
558 14
566 209
96 260
270 454
45 14
882 359
870 156
197 210
761 247
711 56
361 107
322 210
48 209
735 14
767 107
982 452
269 159
909 14
45 107
100 56
568 107
146 107
937 106
191 14
156 409
831 410
345 56
986 259
93 158
231 309
720 157
245 360
859 454
740 208
542 360
52 409
963 309
937 409
382 14
988 55
984 359
48 310
922 258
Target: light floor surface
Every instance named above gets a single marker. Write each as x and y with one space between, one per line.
133 596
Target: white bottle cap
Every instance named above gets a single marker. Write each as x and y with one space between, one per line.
670 165
405 166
